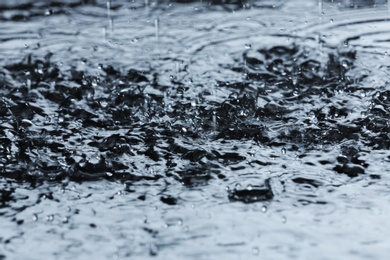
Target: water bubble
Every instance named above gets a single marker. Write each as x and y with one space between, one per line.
283 150
264 209
48 12
248 46
35 217
65 220
255 250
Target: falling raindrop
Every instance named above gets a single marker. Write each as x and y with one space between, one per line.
214 121
156 28
109 18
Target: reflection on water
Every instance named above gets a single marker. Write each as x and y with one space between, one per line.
237 129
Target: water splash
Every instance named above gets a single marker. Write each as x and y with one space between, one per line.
123 126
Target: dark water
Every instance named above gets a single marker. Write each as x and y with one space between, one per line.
194 130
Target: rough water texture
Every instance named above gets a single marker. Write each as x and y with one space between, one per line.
194 130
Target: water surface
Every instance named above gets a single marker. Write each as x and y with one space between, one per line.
196 130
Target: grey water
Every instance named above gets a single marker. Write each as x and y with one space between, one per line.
194 129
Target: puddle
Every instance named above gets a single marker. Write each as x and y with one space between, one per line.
235 129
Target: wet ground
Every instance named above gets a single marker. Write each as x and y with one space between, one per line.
194 130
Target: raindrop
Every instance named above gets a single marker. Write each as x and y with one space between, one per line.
214 122
248 46
255 250
320 8
156 27
264 209
284 150
109 18
35 217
